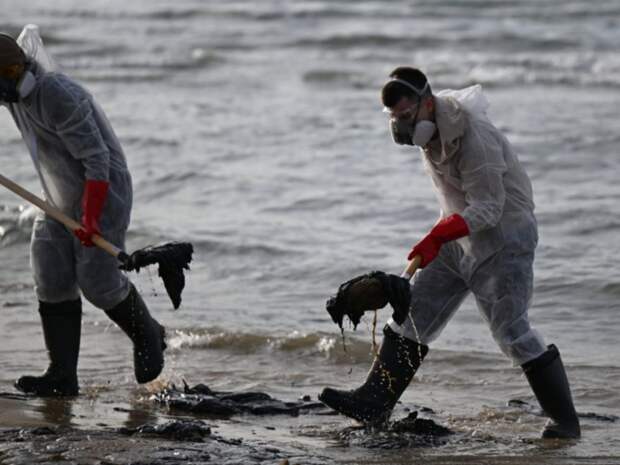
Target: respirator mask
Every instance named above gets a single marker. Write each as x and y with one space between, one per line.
11 90
406 129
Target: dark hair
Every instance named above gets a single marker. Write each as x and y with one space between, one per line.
10 52
393 91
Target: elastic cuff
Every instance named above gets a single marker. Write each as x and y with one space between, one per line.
61 308
544 360
390 333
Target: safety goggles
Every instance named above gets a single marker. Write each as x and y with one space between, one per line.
404 114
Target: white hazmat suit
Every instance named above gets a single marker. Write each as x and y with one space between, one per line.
70 140
478 176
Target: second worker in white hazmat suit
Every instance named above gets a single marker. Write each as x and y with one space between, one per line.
83 172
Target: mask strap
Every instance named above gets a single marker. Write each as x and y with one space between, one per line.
26 84
410 86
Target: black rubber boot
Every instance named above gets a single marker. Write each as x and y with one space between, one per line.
62 327
392 371
548 380
147 335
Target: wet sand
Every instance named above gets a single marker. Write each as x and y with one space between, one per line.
47 430
98 429
62 445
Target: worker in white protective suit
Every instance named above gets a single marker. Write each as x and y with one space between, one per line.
83 172
483 244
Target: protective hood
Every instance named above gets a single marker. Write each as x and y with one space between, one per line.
37 62
31 43
451 107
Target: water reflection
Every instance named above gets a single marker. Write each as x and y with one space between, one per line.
57 411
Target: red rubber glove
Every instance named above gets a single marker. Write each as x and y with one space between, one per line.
93 199
446 230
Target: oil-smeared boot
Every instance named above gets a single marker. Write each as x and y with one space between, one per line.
147 335
62 327
392 371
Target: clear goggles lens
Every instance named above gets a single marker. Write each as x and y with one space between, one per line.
404 114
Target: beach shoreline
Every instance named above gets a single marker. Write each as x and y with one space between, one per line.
55 430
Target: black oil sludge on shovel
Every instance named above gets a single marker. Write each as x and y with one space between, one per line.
172 257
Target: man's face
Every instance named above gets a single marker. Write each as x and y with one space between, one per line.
405 109
9 75
405 116
413 109
13 71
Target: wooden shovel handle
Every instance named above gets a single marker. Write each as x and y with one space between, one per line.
58 215
412 266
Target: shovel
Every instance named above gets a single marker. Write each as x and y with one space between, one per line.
411 267
171 257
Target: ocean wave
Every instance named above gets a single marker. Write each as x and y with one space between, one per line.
150 141
214 248
163 14
223 10
16 224
329 346
581 11
88 52
111 64
552 12
275 13
79 13
196 58
569 71
233 249
305 204
612 289
327 76
596 223
117 76
491 40
364 40
508 41
167 14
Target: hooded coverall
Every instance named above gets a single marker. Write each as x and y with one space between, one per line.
477 175
70 140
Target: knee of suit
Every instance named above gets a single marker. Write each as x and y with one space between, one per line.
521 346
54 277
52 262
54 294
107 292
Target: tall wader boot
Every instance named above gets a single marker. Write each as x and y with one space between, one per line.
147 335
62 327
548 380
392 371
